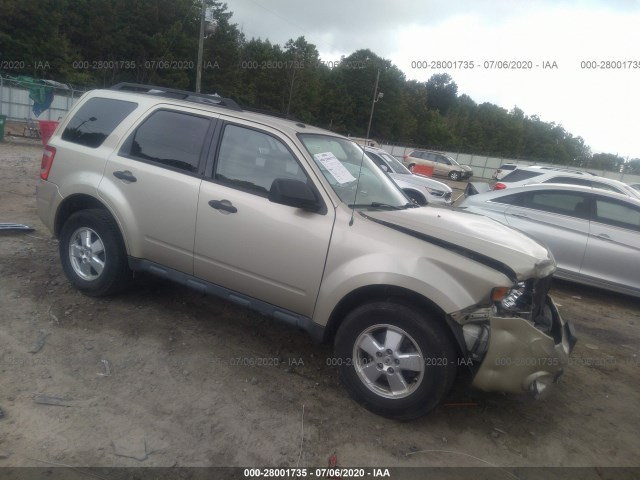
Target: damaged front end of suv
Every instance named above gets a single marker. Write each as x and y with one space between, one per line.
519 343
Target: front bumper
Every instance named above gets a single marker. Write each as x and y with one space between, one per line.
522 359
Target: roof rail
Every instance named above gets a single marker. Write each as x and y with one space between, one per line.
166 92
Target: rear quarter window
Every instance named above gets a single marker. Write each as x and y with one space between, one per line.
95 120
518 175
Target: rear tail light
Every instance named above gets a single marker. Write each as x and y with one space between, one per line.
499 186
47 161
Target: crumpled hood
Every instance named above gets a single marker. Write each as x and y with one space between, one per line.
468 232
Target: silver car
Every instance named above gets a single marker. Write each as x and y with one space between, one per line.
593 234
421 189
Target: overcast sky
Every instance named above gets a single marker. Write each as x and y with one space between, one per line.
600 105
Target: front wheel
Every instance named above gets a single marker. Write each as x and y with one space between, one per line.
92 253
394 359
455 176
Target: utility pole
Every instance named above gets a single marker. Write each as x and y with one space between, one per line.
376 96
200 48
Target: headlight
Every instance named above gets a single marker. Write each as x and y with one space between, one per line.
433 191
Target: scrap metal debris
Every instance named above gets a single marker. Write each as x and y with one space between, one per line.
107 370
56 401
15 227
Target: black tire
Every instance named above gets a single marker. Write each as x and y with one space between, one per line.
410 166
416 197
95 224
388 320
455 176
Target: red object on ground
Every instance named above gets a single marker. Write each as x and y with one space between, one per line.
423 170
47 127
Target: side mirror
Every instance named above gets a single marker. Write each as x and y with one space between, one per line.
293 193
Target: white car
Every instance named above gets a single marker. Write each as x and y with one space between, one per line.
503 170
527 175
421 189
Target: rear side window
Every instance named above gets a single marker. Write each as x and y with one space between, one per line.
172 139
617 214
95 120
518 175
569 181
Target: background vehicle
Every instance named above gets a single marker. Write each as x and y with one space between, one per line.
419 188
299 224
528 175
593 234
442 164
503 170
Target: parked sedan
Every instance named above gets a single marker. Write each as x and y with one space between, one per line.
593 234
419 188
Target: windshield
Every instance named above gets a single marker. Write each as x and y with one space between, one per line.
341 162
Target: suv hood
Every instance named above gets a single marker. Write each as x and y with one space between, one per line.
474 236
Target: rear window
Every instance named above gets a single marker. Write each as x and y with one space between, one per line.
518 175
508 167
95 120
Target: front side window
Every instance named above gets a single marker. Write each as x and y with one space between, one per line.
354 177
251 160
617 214
169 138
95 120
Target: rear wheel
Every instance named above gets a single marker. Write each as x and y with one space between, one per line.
394 359
92 253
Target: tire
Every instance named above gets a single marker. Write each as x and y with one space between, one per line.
455 176
410 167
92 253
416 197
379 380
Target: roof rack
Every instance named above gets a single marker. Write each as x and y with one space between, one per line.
166 92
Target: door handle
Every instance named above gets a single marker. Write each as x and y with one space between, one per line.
224 205
603 236
126 176
519 215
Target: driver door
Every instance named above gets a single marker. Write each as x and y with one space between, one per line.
249 244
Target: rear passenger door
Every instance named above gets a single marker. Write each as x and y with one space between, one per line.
248 244
152 184
613 249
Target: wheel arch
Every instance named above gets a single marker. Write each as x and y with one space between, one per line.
412 191
369 293
75 203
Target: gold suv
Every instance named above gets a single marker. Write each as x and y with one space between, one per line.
299 224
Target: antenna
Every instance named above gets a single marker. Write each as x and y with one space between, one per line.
355 197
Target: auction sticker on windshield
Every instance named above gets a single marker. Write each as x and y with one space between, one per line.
334 167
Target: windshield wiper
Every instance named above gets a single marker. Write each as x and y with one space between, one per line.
383 205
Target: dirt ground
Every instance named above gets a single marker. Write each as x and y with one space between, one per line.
163 376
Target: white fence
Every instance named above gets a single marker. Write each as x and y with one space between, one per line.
16 104
484 166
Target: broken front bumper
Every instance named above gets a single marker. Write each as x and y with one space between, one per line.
520 358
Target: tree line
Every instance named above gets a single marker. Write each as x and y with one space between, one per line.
97 43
